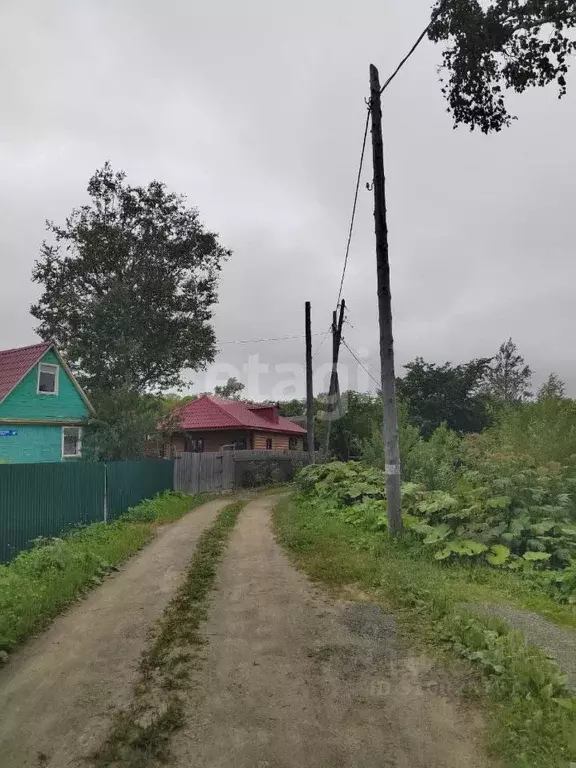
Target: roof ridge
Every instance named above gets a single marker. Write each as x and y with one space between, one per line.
218 403
28 346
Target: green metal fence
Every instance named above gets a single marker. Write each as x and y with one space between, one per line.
128 482
47 499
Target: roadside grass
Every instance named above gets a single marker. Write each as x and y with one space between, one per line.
40 582
531 716
141 735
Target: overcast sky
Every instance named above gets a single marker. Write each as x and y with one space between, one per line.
255 112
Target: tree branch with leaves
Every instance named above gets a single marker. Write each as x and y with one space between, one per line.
500 45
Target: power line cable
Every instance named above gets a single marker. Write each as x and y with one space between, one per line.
319 347
376 371
414 47
361 364
351 230
258 341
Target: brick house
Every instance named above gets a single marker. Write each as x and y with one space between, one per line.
211 424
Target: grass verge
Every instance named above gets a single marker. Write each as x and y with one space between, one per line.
40 582
140 736
531 717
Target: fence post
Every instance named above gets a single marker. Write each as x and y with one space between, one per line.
105 492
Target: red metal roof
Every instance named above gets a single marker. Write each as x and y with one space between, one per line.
210 412
15 364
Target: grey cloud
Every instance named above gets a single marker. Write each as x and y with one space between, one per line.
255 111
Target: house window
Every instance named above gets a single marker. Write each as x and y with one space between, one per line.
194 445
47 379
293 443
269 444
241 444
71 442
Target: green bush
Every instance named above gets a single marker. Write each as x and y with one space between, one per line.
544 431
520 520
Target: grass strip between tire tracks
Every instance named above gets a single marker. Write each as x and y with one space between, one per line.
531 716
140 736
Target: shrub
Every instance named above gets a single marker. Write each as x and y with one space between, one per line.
517 520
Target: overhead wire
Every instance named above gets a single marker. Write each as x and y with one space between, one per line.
258 341
414 47
361 364
354 207
319 347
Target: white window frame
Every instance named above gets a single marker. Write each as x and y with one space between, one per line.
77 455
55 369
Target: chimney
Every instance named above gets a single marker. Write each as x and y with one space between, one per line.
270 412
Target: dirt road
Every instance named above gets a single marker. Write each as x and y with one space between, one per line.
288 677
58 692
291 679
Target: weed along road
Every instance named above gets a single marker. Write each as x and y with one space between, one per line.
58 692
211 649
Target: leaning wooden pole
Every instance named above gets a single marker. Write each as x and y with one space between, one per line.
309 386
390 420
333 405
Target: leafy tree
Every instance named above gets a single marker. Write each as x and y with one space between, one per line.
452 394
508 379
124 420
362 413
552 389
231 390
495 45
129 283
293 407
173 400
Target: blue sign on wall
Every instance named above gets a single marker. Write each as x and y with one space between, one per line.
8 432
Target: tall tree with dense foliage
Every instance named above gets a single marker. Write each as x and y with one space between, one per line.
129 283
452 394
552 389
231 390
509 377
496 45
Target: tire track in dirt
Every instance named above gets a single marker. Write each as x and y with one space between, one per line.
58 693
289 678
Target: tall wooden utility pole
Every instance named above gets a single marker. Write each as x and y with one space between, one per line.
333 404
309 386
390 421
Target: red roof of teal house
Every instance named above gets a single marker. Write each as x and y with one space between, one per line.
211 413
15 364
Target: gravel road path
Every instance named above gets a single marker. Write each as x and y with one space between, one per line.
289 678
558 642
57 693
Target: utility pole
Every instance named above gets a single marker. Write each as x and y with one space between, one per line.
334 389
309 386
390 420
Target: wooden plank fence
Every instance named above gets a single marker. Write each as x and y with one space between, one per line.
202 472
226 470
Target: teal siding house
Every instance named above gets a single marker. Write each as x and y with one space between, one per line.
42 407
